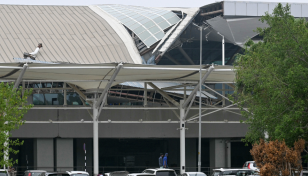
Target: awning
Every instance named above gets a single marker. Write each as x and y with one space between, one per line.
88 76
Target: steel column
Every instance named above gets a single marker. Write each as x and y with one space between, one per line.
21 75
200 102
95 139
198 86
64 94
105 91
145 99
182 137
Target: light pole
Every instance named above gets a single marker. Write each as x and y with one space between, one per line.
223 48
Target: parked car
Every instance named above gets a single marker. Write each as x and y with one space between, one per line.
3 172
160 172
193 174
305 173
77 173
35 173
56 174
117 173
250 165
141 174
237 172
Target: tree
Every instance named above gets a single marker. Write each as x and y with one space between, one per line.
272 79
276 158
13 106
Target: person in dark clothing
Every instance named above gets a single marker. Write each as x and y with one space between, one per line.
165 161
160 160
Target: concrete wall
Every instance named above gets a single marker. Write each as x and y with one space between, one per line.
131 130
44 154
220 153
64 154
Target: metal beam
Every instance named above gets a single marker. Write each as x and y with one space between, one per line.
21 75
164 94
145 95
125 108
171 59
83 96
121 122
191 102
197 86
115 73
176 114
213 111
211 13
186 56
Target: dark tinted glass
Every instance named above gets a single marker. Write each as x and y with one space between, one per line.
165 173
58 174
148 171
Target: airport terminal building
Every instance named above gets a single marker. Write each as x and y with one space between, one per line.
115 85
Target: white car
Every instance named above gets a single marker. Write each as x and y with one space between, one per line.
3 172
244 172
193 174
250 165
160 172
117 173
141 174
77 173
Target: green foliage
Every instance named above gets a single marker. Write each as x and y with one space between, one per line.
272 79
12 109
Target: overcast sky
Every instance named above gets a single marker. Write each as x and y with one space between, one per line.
148 3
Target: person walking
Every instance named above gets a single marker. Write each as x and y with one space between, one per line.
160 160
165 161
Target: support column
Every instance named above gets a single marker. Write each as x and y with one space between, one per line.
95 138
145 95
6 149
64 94
224 94
182 137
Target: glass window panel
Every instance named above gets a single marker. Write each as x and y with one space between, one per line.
144 35
149 24
173 20
150 41
125 20
139 29
154 29
159 35
134 26
130 23
140 18
163 25
168 15
158 19
144 21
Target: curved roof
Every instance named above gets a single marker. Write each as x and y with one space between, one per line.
147 23
72 34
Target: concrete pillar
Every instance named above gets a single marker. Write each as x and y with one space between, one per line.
64 155
43 154
220 153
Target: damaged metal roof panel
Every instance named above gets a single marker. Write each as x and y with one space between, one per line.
237 30
147 23
164 85
167 42
70 34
